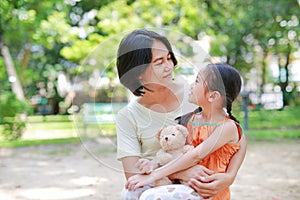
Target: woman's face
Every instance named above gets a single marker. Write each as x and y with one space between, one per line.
161 67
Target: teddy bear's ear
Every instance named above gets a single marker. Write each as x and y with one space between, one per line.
182 129
158 134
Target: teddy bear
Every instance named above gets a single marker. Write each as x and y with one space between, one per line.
172 140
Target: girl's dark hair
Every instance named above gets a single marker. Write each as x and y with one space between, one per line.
135 55
227 80
224 79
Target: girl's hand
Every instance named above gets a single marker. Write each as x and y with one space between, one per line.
144 166
209 186
139 180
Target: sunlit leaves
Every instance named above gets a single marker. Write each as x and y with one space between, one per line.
54 29
117 17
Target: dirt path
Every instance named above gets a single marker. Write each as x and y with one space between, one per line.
271 171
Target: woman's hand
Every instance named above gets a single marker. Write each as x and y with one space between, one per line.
139 180
192 172
209 186
144 165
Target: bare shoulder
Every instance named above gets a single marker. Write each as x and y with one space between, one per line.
230 128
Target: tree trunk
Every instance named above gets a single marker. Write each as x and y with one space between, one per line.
25 61
284 77
10 68
263 72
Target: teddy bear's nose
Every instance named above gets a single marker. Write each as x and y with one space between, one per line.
166 138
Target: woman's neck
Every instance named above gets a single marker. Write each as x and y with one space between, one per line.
162 99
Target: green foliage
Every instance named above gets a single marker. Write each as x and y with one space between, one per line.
42 35
289 117
273 134
272 125
5 85
13 130
118 17
55 29
11 110
80 49
38 30
25 143
10 106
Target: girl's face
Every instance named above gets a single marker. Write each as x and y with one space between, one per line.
161 67
198 90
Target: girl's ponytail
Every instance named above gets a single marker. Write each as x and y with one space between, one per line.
229 108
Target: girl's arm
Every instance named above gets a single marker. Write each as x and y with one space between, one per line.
209 186
237 160
221 136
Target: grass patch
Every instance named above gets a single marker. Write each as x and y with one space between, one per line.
49 118
272 119
96 130
51 126
273 125
264 125
273 135
25 143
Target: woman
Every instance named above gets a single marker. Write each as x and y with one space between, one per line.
145 63
214 132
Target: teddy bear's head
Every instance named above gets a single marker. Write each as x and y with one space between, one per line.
172 137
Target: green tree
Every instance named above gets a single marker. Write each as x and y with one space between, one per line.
6 13
248 32
41 29
275 32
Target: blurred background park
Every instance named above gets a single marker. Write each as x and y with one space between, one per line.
57 64
58 55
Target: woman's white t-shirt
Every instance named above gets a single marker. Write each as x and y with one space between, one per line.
137 127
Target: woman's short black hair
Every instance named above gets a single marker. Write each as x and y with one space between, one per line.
134 56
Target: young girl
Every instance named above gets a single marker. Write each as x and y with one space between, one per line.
214 131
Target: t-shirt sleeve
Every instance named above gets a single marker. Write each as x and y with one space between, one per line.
128 143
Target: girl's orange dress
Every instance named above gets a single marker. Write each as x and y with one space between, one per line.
218 160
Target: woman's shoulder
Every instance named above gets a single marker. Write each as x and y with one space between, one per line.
127 114
130 107
134 110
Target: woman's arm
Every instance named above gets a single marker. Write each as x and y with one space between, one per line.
129 165
192 172
208 186
221 136
128 145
